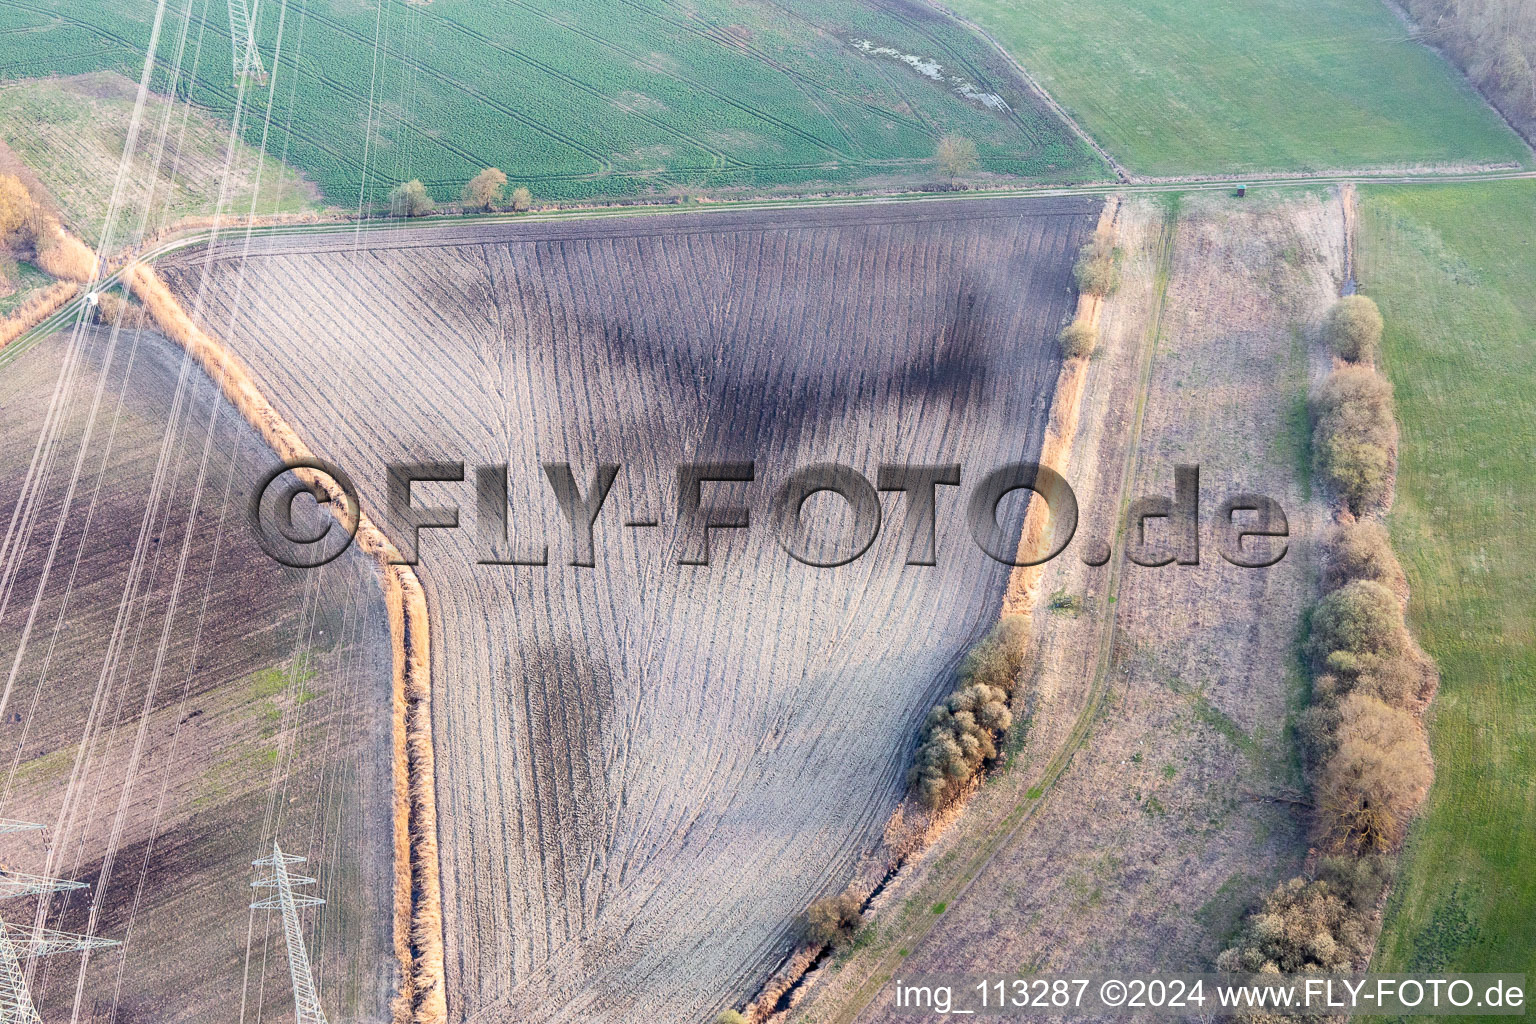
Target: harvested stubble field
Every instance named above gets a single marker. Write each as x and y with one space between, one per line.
175 700
646 770
1147 824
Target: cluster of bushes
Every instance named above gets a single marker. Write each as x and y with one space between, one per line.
1097 272
1097 269
483 193
1313 925
1355 426
960 734
1366 757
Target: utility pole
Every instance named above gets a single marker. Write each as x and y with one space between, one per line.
18 946
242 40
305 1000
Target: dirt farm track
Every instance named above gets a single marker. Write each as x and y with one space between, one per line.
646 769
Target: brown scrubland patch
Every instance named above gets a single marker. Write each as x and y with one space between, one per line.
36 309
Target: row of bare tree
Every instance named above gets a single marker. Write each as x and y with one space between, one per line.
1494 42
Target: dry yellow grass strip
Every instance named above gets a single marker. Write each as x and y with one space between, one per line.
418 923
1056 448
65 256
35 310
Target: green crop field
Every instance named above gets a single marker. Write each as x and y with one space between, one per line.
1451 269
582 98
1177 88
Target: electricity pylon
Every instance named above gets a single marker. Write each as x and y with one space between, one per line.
242 40
17 945
306 1002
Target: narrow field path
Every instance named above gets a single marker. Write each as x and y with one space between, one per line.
430 227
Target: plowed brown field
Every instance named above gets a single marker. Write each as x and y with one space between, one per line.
173 700
645 770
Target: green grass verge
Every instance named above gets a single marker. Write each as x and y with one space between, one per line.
582 98
1451 267
26 280
1172 88
72 132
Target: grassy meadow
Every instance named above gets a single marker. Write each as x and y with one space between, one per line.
71 133
581 98
1451 267
1177 88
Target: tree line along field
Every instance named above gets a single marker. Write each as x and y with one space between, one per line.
1450 268
176 700
583 99
1172 88
646 770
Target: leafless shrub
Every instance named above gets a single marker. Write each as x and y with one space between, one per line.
1358 880
832 921
1354 328
1098 265
956 156
15 211
1376 779
1354 434
1303 926
960 733
1078 339
1362 551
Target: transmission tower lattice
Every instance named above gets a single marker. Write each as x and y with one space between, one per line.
242 41
306 1002
17 946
